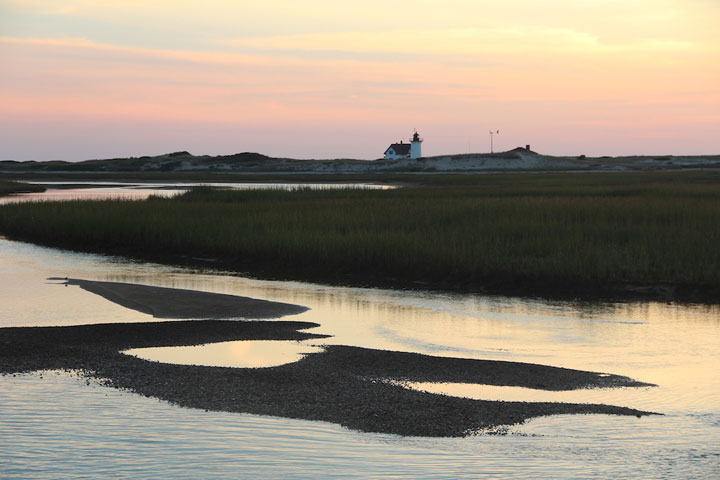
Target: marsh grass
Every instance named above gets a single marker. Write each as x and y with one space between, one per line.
568 230
8 187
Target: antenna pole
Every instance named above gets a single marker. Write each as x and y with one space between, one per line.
491 139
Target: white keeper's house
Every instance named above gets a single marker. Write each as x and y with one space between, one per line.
405 150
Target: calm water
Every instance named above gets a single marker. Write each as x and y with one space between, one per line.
55 425
59 191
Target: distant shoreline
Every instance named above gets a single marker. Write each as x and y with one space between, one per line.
516 160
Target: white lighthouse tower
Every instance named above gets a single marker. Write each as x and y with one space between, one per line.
415 146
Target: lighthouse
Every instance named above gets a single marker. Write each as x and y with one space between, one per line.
405 150
415 145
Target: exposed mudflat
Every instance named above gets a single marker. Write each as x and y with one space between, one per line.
354 387
161 302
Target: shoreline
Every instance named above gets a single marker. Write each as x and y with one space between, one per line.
247 163
569 291
350 386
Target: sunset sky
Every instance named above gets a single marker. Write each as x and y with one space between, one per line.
326 79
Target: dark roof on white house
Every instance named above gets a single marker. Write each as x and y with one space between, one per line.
522 149
400 148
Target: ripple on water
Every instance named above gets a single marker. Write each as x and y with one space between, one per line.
58 426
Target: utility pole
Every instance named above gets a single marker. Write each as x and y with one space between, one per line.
491 139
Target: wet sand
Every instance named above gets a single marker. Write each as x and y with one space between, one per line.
161 302
351 386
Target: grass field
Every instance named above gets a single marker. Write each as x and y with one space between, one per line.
535 231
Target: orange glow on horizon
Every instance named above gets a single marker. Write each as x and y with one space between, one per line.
530 71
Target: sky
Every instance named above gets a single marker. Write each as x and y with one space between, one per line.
91 79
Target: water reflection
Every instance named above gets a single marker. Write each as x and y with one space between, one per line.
98 193
59 427
239 354
65 191
672 345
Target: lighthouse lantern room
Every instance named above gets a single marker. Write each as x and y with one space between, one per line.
415 144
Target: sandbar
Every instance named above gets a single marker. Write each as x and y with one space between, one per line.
163 302
359 388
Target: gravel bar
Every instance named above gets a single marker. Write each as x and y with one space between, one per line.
350 386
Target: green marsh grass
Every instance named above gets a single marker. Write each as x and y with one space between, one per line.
538 229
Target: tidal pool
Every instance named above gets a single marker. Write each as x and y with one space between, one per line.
240 354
